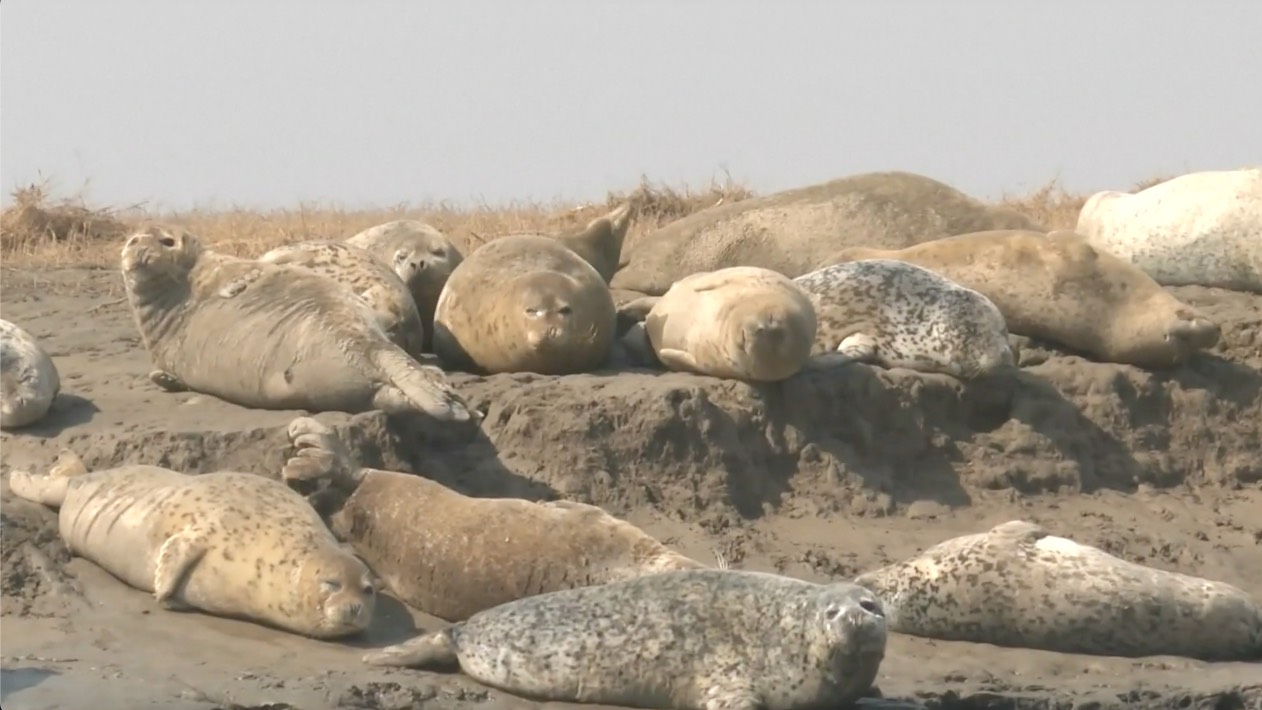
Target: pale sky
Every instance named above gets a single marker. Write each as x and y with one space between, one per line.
367 102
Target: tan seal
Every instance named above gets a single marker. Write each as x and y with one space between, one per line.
29 381
452 555
792 232
524 303
1202 228
230 544
268 336
420 254
1059 288
896 314
366 276
688 640
742 322
1019 585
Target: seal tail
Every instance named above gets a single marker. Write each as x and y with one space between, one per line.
430 651
51 489
416 387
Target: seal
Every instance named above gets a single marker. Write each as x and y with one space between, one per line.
1058 288
230 544
600 242
1202 228
896 314
434 549
793 231
524 303
268 336
366 276
420 254
742 322
1019 585
28 377
687 640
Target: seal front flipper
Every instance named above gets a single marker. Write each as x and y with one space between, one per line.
167 381
429 651
728 694
859 347
176 558
678 360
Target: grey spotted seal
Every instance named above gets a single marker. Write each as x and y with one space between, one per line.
793 231
268 336
366 276
687 640
524 303
897 314
28 377
435 549
226 543
1059 288
742 322
1019 585
420 254
1202 228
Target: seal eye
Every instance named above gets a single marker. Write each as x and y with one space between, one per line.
833 612
330 585
565 310
369 590
167 242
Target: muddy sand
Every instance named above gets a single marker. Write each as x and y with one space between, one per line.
822 476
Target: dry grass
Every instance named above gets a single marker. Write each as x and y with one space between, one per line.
40 231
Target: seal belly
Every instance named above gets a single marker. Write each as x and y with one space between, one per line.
108 518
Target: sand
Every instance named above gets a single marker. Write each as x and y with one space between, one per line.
822 476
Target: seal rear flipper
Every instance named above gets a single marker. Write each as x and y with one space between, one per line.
176 558
413 387
319 457
429 651
45 490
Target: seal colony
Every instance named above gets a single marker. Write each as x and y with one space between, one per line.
28 378
1019 585
688 640
232 544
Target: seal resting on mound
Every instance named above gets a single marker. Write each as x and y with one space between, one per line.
792 232
743 323
524 303
230 544
452 555
28 376
1018 585
897 314
1059 288
367 277
268 336
1202 228
688 640
420 254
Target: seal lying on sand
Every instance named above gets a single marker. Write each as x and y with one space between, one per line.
1018 585
367 277
689 640
231 544
440 552
897 314
268 336
793 231
742 322
600 242
420 254
524 303
28 378
1059 288
1201 228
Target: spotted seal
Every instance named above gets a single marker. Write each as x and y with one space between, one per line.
1202 228
420 254
897 314
524 303
230 544
742 322
1059 288
687 640
434 549
29 378
1019 585
791 232
268 336
366 276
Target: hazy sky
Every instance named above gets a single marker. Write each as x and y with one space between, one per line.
270 102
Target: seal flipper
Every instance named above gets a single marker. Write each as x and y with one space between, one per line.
178 555
678 360
413 387
731 695
49 490
859 347
319 456
167 381
429 651
636 310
